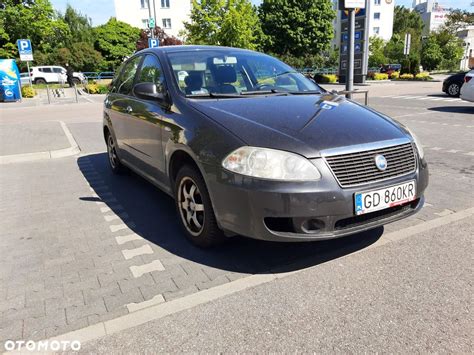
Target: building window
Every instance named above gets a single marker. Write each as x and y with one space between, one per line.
376 30
376 15
145 23
165 4
166 23
376 2
144 4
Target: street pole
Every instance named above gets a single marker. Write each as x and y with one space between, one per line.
149 17
154 11
350 59
29 74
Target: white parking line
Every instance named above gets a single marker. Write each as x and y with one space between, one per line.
118 227
131 253
111 208
127 238
138 271
113 217
133 307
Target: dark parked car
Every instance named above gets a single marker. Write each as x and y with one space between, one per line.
452 84
247 145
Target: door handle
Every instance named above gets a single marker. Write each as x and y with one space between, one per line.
129 109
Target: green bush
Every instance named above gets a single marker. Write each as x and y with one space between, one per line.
325 78
93 88
423 76
406 77
380 76
28 92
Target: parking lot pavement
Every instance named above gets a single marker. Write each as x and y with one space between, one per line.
19 138
410 296
82 245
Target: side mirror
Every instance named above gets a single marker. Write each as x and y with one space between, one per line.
148 91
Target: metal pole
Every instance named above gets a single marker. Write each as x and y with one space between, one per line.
149 16
75 91
29 74
154 11
47 92
350 59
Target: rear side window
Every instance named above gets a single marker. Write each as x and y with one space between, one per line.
151 72
125 82
47 70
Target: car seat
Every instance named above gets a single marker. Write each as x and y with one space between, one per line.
224 76
193 83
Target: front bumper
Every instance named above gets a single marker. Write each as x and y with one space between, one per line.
301 211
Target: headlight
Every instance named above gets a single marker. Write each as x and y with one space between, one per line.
270 164
421 153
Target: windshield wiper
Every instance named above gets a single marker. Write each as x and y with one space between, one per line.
213 95
272 92
309 92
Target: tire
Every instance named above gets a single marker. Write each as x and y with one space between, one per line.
194 209
40 81
76 81
454 90
115 165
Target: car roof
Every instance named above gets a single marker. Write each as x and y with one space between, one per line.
188 48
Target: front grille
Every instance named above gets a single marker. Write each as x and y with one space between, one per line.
359 168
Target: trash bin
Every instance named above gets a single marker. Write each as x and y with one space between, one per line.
9 81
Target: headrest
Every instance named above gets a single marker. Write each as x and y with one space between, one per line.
193 80
225 74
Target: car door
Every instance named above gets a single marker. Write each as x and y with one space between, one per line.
146 123
120 106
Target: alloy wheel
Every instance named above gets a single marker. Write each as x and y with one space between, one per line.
191 206
112 152
453 89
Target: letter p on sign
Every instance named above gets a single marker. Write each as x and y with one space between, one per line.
153 42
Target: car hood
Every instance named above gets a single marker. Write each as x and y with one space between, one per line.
304 124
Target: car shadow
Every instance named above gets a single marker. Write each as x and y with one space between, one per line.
152 215
468 110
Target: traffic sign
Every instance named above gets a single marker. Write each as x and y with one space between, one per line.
25 49
353 4
151 22
153 42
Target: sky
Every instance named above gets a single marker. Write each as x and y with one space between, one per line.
101 10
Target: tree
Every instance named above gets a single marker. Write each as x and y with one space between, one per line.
232 23
457 20
297 27
116 41
431 54
160 34
405 19
376 50
36 20
80 26
451 49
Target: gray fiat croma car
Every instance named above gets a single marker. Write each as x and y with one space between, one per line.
246 145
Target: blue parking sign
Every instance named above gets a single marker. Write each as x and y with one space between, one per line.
153 42
25 49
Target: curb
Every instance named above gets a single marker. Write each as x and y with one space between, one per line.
51 154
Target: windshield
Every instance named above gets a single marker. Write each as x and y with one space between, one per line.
230 72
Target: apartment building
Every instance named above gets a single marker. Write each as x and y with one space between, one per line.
169 14
433 14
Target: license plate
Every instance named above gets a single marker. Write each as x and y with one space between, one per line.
375 200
